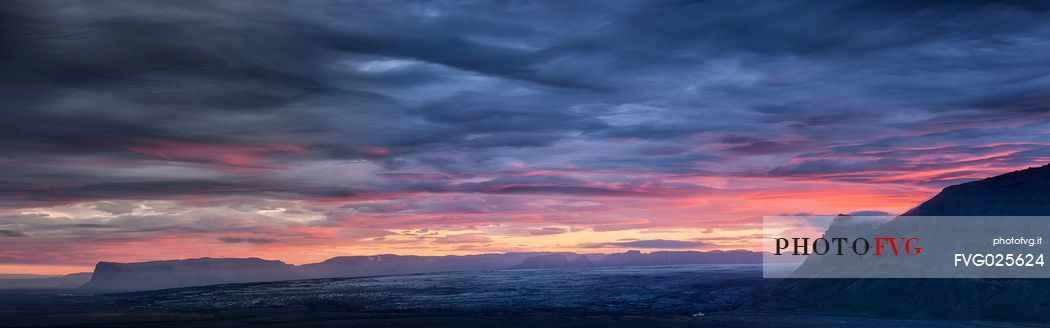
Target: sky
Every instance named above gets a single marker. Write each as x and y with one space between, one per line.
299 131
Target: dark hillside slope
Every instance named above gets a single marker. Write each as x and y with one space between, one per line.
1020 193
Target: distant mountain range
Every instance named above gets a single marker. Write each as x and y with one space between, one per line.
69 281
1020 193
110 276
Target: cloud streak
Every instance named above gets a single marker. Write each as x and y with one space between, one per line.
650 243
238 240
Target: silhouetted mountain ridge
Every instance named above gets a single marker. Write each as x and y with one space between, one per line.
1019 193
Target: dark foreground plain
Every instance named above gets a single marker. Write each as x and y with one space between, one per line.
666 296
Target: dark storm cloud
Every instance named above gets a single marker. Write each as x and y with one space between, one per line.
752 145
147 100
11 233
827 166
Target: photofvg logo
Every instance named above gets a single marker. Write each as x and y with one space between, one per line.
846 246
843 245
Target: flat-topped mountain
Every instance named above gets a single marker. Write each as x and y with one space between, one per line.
110 276
191 272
